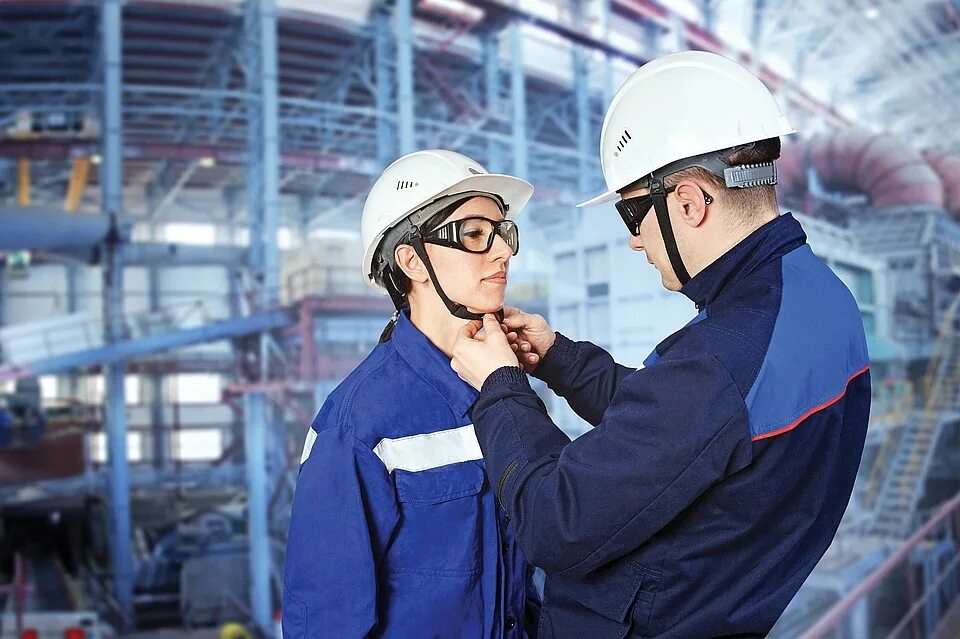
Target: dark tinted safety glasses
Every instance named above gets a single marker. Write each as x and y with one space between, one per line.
474 234
632 210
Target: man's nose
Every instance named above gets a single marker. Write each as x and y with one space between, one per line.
636 243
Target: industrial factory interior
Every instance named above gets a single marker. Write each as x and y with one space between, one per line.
181 190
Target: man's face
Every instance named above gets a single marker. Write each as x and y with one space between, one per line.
650 242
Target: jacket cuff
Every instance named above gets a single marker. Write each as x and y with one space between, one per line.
557 361
505 376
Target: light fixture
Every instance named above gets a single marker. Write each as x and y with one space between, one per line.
207 162
96 159
871 12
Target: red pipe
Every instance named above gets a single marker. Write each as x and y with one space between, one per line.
888 171
948 168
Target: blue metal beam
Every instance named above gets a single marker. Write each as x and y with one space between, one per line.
405 96
112 186
260 25
129 349
492 99
383 59
518 98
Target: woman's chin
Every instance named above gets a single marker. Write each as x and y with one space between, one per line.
486 307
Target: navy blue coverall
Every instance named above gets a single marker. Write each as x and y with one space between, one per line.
715 477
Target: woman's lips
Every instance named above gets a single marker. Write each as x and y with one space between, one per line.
499 278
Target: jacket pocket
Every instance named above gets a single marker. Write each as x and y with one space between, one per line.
440 520
608 604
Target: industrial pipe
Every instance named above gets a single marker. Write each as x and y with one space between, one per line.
43 229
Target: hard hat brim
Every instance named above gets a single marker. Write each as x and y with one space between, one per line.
603 198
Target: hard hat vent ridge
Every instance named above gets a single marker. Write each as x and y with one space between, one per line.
406 184
624 138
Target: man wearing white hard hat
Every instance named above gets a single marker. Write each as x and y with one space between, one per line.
394 530
716 475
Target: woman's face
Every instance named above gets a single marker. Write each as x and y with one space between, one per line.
476 280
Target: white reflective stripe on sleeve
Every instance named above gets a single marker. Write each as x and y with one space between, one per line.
430 450
308 444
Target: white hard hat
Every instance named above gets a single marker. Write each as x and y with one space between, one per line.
678 106
419 178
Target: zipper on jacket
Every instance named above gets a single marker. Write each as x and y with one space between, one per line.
503 481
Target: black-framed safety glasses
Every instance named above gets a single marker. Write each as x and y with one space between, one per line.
474 234
632 210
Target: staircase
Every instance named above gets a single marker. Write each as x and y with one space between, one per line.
906 473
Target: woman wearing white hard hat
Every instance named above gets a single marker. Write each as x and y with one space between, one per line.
395 530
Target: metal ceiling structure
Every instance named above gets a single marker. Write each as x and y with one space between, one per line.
343 87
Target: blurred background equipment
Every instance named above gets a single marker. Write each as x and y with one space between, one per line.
180 193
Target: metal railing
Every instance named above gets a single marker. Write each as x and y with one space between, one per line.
943 528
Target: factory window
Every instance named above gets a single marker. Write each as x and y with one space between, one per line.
568 320
195 388
98 447
598 265
197 444
858 280
188 233
598 323
567 267
48 387
96 392
284 238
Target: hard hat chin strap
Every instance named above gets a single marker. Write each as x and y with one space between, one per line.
456 309
666 230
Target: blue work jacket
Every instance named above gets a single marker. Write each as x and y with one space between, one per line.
715 476
394 530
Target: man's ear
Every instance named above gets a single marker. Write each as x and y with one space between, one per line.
410 263
693 205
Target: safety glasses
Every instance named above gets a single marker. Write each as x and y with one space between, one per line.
632 210
474 234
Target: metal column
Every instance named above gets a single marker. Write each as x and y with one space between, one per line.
518 97
491 71
608 88
405 98
161 442
263 210
383 61
112 193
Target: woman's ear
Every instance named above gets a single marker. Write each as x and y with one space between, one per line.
410 263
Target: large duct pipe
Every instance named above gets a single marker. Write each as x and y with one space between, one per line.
887 171
41 229
882 167
948 168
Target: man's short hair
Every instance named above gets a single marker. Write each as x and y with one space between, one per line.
750 201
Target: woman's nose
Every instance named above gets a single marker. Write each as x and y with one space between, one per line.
500 249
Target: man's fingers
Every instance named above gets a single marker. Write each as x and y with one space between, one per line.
515 321
470 329
491 325
525 347
514 348
511 310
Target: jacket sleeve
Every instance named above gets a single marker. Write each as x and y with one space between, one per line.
344 512
671 431
583 374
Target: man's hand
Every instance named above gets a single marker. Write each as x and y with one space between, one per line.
529 336
476 355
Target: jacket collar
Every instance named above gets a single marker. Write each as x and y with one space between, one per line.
432 365
769 242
